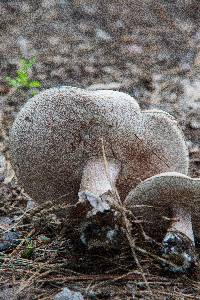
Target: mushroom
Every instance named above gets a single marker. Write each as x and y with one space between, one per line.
56 144
168 204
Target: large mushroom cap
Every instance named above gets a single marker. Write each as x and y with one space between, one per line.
152 201
58 130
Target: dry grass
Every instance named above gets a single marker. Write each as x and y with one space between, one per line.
133 272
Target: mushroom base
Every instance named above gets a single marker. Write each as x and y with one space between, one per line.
99 233
98 227
178 249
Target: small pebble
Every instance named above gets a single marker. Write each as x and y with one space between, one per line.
66 294
102 35
9 240
30 204
5 221
7 293
195 124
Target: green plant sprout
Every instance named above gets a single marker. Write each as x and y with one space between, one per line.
22 79
29 250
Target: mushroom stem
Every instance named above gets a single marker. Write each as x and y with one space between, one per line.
182 222
178 243
98 178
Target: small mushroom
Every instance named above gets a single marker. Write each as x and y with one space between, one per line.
56 144
168 204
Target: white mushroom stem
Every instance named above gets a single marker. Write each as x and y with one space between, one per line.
182 222
178 243
99 177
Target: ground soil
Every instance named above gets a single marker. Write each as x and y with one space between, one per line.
149 49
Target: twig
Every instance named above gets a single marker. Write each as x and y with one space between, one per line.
113 278
126 222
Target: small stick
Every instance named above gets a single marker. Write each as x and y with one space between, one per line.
126 223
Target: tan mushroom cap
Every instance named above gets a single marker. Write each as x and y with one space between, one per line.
152 201
58 130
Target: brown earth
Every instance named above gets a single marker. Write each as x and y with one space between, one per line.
149 49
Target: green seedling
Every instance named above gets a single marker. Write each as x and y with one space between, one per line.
28 251
22 79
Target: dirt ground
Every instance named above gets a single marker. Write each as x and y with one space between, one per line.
149 49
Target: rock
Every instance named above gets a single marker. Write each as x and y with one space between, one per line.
102 35
90 9
7 294
119 24
66 294
5 222
195 124
191 90
9 240
30 204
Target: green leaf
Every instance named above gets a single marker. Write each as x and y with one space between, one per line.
25 64
8 79
12 82
35 84
32 61
22 79
29 250
23 76
33 93
23 67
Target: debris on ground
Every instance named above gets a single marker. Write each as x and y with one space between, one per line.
66 294
150 51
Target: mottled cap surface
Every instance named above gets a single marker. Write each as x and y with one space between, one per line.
58 130
152 201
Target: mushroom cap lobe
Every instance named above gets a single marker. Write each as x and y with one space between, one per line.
155 197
